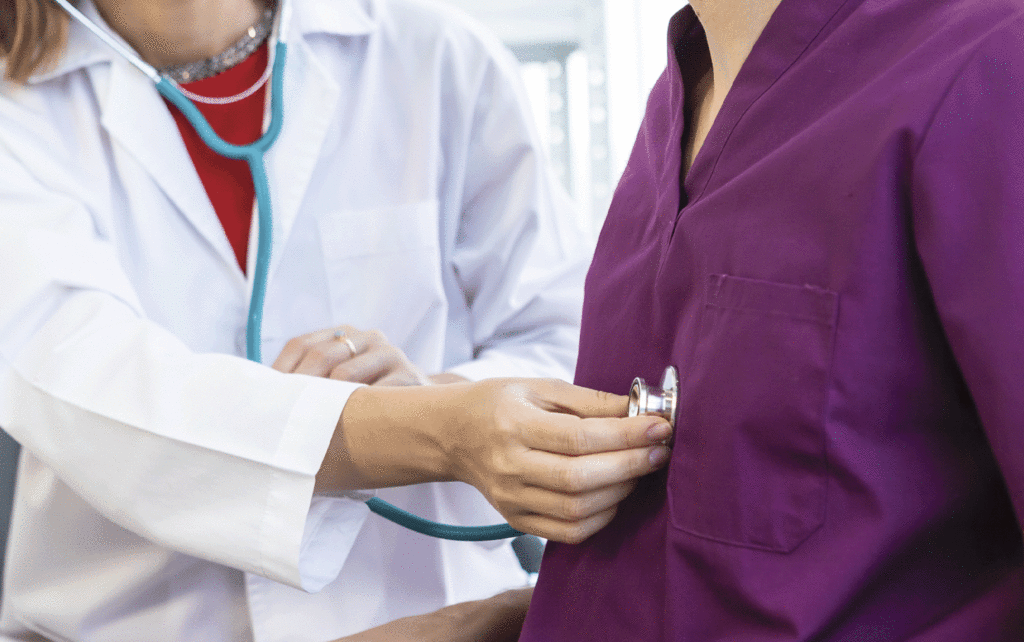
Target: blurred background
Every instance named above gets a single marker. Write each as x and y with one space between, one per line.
588 67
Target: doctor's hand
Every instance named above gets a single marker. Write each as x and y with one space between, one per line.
554 459
348 354
496 619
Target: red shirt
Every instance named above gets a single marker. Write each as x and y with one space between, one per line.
227 181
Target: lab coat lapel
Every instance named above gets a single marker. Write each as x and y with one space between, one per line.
310 103
137 119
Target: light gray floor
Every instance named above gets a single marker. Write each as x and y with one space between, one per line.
8 467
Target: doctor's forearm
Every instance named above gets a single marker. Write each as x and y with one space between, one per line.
387 437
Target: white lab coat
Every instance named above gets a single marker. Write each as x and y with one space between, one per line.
165 487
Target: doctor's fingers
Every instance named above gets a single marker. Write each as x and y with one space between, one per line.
564 507
567 532
589 473
559 396
380 364
321 359
570 435
319 342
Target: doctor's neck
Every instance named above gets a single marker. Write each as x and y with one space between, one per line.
176 32
732 27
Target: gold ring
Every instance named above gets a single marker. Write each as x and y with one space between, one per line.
340 336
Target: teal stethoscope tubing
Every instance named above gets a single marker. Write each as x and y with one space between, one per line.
253 154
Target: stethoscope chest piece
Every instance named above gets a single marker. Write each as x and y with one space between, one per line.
647 400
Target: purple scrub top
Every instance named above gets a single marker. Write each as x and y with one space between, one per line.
840 283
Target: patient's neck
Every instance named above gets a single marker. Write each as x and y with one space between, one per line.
732 27
175 32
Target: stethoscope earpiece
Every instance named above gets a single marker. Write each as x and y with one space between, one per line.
647 400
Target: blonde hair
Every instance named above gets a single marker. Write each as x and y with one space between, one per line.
32 34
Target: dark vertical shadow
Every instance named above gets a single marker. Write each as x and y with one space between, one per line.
529 550
8 468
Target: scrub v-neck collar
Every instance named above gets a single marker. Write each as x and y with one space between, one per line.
789 33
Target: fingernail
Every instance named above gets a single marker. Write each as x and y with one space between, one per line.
659 431
659 456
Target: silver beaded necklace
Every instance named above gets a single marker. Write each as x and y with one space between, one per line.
236 53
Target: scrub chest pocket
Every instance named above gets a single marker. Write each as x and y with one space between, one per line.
749 467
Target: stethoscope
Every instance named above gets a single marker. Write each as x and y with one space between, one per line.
646 399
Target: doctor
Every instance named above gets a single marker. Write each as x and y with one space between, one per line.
171 490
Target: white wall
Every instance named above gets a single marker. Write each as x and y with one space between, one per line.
637 49
630 46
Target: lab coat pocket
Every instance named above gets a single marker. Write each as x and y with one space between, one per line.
383 269
749 464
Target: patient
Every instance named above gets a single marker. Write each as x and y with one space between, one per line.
820 226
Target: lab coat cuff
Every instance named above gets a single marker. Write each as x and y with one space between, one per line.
331 529
297 528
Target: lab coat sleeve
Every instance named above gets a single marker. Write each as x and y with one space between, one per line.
521 250
206 454
968 218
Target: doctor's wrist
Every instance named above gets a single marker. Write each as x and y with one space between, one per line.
390 437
